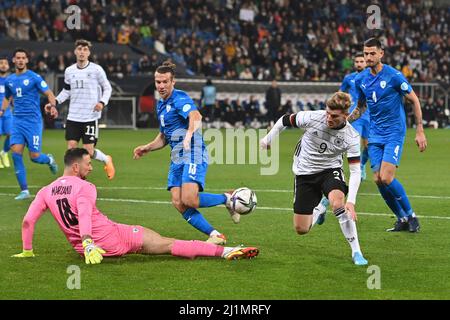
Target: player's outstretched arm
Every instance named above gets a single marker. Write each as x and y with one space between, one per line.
158 143
421 140
34 213
282 123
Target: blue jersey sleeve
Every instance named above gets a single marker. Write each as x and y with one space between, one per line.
345 85
400 84
40 83
184 106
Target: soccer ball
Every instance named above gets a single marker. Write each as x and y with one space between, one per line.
243 200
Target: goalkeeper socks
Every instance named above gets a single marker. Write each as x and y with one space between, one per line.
100 156
21 173
42 159
399 193
364 157
390 200
195 219
211 200
195 248
6 145
348 227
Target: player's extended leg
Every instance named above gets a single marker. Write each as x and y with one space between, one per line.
21 173
348 226
97 154
154 243
189 196
387 177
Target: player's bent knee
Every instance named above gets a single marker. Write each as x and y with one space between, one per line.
301 230
189 201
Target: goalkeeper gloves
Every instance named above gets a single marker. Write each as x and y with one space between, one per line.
92 253
24 254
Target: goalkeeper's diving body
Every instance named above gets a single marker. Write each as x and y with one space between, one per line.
72 202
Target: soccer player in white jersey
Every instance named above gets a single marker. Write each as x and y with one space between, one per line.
89 91
318 166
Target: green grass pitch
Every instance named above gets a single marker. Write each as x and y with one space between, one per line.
315 266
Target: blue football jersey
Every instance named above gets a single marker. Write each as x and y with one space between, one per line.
348 85
25 89
173 119
2 95
383 94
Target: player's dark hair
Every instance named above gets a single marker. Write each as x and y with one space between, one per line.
4 58
83 43
73 155
21 50
339 101
359 55
167 67
373 42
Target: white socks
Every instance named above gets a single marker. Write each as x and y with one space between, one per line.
348 227
100 156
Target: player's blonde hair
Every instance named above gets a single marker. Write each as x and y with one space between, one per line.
339 101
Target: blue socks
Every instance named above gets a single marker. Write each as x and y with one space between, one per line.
42 159
211 200
364 157
399 193
195 219
21 173
6 145
390 200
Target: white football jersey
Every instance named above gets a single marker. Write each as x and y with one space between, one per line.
321 147
85 88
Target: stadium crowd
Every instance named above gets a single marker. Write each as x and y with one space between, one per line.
245 39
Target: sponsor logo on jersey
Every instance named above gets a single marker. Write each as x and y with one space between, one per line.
383 84
186 107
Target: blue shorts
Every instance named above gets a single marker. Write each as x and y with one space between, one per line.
362 126
388 152
186 173
5 125
27 134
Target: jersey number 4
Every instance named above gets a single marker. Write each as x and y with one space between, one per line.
67 216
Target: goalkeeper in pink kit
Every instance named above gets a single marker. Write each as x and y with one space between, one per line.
72 202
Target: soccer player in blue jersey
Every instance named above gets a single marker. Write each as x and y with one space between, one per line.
381 89
23 88
6 119
179 121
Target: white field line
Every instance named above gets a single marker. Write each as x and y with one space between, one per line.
376 214
256 190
